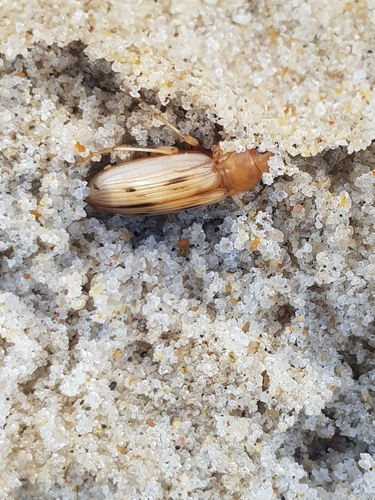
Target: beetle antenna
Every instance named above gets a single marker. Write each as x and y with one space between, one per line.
185 137
157 114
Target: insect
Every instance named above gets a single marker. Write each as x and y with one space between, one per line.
176 180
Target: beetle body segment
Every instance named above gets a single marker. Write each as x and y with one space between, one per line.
167 184
158 185
241 171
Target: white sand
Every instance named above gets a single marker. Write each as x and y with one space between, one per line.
241 367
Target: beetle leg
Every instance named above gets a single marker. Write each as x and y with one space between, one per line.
172 218
86 159
185 137
165 150
238 201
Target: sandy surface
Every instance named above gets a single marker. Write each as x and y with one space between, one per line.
227 354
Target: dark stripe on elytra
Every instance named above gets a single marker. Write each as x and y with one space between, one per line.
140 205
177 180
130 207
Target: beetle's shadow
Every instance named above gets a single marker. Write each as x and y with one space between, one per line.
167 227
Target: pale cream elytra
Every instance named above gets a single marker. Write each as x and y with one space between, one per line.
175 180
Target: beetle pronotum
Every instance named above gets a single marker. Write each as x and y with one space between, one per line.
175 181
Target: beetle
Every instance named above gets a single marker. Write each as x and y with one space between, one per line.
175 181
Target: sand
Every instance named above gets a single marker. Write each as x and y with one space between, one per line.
227 354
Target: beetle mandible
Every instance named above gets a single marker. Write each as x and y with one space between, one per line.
175 181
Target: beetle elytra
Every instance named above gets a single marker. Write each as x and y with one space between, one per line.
175 180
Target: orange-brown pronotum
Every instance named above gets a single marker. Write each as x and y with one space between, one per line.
175 180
